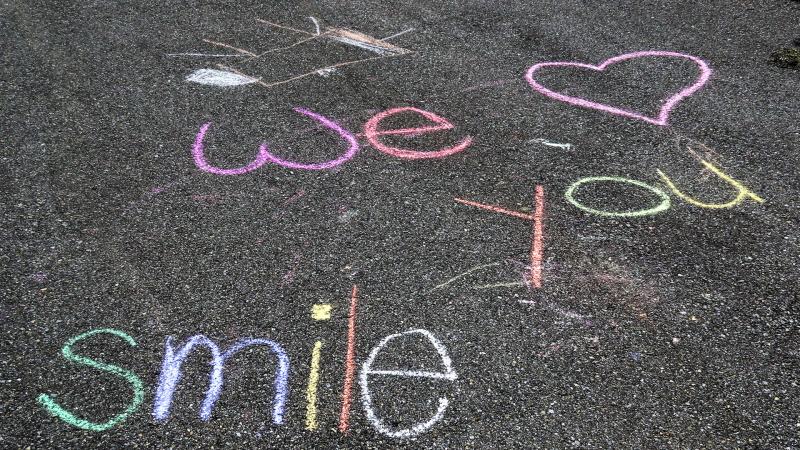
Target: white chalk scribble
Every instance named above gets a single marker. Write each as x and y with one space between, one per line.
552 144
215 77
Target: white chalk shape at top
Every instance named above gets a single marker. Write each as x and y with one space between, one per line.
367 370
215 77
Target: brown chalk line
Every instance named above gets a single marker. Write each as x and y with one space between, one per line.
330 67
221 66
335 32
285 27
283 48
230 47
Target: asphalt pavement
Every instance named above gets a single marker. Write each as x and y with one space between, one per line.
351 224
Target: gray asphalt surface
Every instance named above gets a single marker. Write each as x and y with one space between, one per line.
671 330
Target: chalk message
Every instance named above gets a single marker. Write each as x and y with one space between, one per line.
175 357
376 134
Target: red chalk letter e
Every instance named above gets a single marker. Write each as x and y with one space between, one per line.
372 133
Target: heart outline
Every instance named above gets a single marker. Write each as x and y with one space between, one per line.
705 74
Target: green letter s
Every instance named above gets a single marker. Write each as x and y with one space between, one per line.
70 418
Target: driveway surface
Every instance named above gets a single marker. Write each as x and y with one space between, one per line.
431 224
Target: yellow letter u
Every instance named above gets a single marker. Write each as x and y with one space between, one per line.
743 191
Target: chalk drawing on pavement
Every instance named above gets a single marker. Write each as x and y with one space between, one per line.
564 146
171 375
216 77
176 356
743 192
372 133
663 115
350 365
367 370
311 392
264 155
663 206
321 311
459 276
136 383
226 76
534 277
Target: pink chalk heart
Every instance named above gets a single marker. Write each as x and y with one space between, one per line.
663 115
